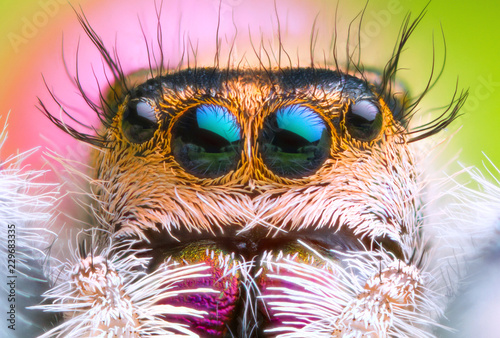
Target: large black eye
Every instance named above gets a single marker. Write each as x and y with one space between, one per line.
139 121
364 120
206 141
294 141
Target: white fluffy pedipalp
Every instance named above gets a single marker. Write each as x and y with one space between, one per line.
352 295
110 293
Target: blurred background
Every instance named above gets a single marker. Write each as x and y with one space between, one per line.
36 33
43 37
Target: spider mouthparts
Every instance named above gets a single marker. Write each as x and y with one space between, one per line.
242 271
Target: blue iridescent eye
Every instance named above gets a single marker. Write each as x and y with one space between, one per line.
295 141
206 141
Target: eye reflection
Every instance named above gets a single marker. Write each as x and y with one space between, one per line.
206 141
364 120
139 121
295 141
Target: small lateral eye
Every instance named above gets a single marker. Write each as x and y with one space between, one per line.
139 121
294 141
364 120
206 141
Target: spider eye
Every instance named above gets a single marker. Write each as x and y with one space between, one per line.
206 141
139 121
364 120
295 141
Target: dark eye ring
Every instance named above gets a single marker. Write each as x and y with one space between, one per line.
139 121
364 120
